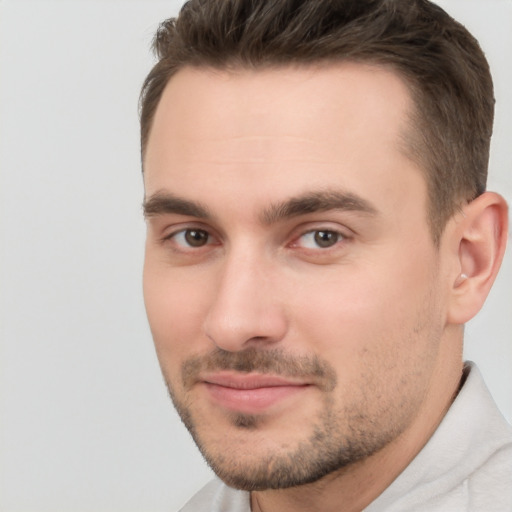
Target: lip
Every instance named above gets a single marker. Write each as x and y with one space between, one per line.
250 393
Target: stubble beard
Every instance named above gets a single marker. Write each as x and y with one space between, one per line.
336 440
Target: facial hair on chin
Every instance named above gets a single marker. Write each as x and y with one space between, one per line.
324 451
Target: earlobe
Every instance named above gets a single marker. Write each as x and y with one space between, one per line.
482 237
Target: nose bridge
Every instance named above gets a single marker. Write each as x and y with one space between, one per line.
246 307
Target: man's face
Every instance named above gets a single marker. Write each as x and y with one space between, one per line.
291 283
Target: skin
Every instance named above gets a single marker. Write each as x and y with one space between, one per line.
348 300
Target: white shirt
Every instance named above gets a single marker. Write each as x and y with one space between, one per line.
465 466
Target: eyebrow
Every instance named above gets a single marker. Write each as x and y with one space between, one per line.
162 203
313 202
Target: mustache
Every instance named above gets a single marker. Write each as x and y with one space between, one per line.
273 361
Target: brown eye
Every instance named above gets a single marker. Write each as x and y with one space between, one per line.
320 239
196 237
324 239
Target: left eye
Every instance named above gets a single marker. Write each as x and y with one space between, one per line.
320 239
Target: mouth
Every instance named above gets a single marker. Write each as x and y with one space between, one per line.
250 393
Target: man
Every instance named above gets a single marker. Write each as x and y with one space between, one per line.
318 235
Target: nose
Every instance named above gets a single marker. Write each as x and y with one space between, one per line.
246 309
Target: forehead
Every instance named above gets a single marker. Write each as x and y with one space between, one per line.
245 102
280 130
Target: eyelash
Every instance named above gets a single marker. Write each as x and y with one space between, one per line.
183 232
339 237
314 233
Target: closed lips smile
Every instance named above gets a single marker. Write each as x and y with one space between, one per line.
250 394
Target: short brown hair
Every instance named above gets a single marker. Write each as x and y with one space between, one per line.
439 59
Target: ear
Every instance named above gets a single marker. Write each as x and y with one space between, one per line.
480 240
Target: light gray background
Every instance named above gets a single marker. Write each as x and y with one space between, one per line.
86 424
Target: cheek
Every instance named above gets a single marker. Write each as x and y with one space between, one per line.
383 313
175 305
380 337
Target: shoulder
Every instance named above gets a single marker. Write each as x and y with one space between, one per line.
489 487
218 497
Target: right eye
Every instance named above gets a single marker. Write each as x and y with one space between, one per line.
190 238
